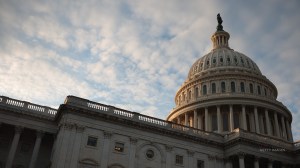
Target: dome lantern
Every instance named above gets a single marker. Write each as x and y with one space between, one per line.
220 37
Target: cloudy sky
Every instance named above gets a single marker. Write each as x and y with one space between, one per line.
135 54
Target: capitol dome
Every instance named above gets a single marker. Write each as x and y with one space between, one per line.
225 90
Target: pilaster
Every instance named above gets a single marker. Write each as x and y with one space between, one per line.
106 147
133 142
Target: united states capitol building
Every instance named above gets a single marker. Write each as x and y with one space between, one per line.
226 115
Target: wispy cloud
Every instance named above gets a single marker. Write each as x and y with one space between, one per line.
136 54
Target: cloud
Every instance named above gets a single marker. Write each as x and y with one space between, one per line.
136 54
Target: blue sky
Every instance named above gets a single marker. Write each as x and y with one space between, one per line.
135 54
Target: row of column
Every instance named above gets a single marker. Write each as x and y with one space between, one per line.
241 162
258 123
15 143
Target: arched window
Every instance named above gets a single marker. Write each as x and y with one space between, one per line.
265 90
213 88
204 90
196 92
251 87
223 88
232 87
242 87
190 95
258 90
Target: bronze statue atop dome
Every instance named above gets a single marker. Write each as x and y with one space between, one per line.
220 21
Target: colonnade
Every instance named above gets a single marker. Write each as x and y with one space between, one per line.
225 118
15 143
242 159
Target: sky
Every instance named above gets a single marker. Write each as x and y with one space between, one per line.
136 54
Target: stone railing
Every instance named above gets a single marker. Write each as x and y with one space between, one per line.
259 138
26 107
143 119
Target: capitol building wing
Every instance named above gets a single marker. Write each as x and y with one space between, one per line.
226 114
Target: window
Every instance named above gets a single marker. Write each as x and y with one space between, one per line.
179 159
228 59
232 87
119 147
190 95
214 60
265 90
258 90
214 122
235 60
213 88
200 164
207 62
196 92
204 90
242 87
251 87
223 88
149 154
92 141
221 60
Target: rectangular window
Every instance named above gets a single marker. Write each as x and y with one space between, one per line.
179 160
200 164
119 147
92 141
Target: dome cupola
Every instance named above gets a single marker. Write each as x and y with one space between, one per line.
225 90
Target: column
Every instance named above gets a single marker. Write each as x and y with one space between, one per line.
200 122
267 122
36 148
178 120
231 124
133 142
283 127
195 123
105 152
76 148
241 160
13 147
206 119
186 119
244 124
288 130
219 119
276 124
256 162
256 120
270 164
